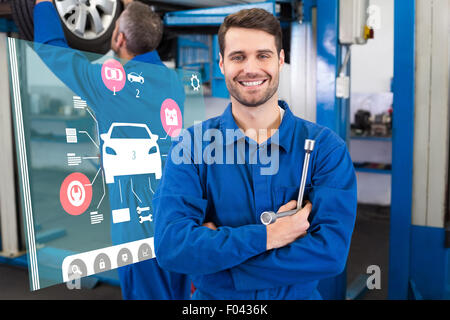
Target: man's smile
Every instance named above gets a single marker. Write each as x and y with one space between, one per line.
252 84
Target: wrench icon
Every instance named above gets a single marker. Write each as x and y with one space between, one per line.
146 218
140 210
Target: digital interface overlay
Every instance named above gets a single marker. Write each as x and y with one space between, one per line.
92 136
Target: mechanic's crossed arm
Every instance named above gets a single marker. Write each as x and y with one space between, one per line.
284 231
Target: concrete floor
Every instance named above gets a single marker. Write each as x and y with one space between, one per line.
370 246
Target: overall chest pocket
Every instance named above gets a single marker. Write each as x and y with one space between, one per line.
284 194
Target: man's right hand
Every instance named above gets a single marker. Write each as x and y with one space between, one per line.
288 229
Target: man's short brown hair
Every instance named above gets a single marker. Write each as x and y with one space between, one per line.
142 28
255 18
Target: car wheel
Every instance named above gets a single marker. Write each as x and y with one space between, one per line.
88 24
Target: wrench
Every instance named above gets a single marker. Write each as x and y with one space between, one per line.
268 217
140 210
146 218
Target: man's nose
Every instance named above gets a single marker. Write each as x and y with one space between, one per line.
251 67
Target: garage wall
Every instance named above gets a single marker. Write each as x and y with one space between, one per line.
372 64
372 67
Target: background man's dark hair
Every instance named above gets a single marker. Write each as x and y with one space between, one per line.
255 18
142 28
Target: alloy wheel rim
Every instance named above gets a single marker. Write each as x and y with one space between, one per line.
87 19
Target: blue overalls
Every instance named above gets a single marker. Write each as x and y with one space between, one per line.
142 280
232 262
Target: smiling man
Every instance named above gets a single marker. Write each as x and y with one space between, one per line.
207 215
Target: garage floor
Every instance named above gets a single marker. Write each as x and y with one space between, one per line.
14 284
370 246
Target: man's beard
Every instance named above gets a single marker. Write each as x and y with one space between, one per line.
236 93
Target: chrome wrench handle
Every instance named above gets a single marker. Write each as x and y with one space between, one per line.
309 147
268 217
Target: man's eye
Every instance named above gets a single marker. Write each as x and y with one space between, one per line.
264 56
237 58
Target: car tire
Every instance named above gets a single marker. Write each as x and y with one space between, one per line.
23 16
22 12
98 45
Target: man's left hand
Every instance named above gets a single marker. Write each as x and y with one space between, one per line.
210 225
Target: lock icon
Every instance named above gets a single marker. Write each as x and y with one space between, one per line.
102 264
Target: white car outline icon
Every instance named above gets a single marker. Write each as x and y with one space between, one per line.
134 77
130 155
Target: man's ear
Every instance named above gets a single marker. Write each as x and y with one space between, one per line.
221 63
281 59
121 40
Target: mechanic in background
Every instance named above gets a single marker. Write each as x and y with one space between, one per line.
137 33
